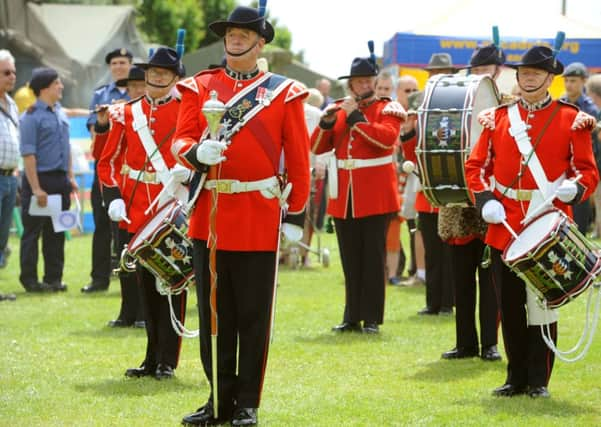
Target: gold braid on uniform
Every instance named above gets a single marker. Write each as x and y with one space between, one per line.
460 222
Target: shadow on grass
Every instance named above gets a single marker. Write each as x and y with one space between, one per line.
136 387
105 332
347 338
527 406
453 370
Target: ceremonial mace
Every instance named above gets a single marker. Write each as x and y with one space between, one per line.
213 111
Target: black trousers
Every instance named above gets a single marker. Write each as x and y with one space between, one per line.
53 244
163 344
101 239
465 264
530 362
583 215
131 308
245 292
362 244
439 282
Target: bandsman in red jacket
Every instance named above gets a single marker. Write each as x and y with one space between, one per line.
362 130
438 280
505 187
131 311
136 163
262 128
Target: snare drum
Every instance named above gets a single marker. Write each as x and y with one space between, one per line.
163 248
448 130
554 259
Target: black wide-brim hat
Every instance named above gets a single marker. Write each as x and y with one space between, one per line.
245 17
135 74
540 57
361 67
487 55
164 57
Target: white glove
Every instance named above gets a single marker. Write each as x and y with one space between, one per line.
567 191
210 152
493 212
117 210
292 233
179 174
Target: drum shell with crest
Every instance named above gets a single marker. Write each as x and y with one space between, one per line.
448 129
553 258
162 247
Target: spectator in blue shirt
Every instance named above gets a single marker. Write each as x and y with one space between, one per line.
574 76
119 62
47 161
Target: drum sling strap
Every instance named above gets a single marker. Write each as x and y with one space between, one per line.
140 125
519 132
240 109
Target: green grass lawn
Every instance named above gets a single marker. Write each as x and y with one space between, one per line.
61 366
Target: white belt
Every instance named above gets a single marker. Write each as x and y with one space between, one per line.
364 163
515 194
231 186
144 176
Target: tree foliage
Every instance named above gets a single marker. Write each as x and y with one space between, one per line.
214 10
283 36
159 20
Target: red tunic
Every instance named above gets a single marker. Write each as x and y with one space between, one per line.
561 150
374 189
421 202
123 147
246 221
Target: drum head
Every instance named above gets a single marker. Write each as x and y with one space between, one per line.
448 130
531 236
485 96
153 224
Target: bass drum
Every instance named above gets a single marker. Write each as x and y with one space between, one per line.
448 130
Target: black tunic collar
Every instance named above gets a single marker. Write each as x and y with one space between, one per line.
241 76
158 101
537 105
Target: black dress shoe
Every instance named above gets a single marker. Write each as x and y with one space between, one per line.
205 416
540 391
245 417
38 287
347 327
371 328
119 323
8 297
142 371
163 372
490 353
427 311
460 353
509 390
95 287
57 286
446 311
140 324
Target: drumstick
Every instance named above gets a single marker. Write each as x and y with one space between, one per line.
508 227
126 219
547 202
